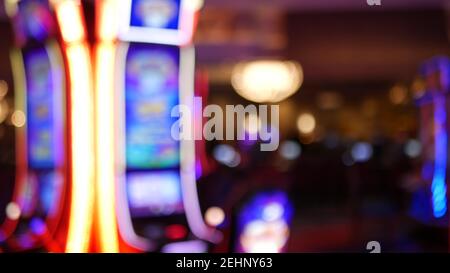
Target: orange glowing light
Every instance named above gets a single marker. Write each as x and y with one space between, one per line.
105 161
82 147
70 18
107 20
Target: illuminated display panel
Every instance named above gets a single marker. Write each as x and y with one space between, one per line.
152 155
44 130
168 22
151 92
263 223
155 193
158 14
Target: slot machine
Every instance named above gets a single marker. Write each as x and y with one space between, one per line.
261 223
430 201
146 183
51 209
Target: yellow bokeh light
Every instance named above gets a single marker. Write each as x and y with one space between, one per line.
267 81
214 216
306 123
398 94
18 118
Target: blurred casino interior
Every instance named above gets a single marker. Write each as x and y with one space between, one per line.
363 94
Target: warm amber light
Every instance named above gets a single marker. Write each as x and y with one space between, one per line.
104 99
4 110
108 21
82 148
18 118
13 211
306 123
193 5
214 216
11 7
398 94
267 81
70 20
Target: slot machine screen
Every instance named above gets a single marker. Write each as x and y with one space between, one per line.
44 131
44 128
152 155
151 93
155 194
158 14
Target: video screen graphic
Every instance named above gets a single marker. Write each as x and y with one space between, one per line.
151 93
154 194
159 14
43 112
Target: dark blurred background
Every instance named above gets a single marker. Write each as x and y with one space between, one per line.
352 172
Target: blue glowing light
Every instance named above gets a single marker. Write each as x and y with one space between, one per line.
438 186
38 226
361 152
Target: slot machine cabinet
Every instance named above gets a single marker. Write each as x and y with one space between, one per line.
430 203
52 199
261 223
146 183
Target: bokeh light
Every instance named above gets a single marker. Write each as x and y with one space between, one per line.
13 211
18 118
266 80
413 148
214 216
361 152
306 123
290 150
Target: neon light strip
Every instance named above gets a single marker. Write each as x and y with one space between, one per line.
105 129
438 186
69 16
21 133
105 161
107 20
82 148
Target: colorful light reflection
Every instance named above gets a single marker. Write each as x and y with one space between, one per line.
438 186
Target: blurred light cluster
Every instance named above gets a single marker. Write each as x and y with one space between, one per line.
306 123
